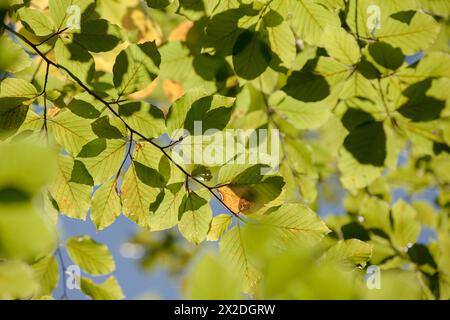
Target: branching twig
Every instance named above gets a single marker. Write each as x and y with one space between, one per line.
116 114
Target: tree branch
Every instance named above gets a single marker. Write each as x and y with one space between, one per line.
44 90
51 37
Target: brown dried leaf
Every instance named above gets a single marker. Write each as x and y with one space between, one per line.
143 94
234 199
181 31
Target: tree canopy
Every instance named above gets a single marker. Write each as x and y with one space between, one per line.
100 106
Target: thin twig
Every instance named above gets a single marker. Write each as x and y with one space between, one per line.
127 155
45 100
63 267
51 37
173 143
36 71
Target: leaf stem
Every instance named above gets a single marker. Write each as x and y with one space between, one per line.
44 90
51 37
64 296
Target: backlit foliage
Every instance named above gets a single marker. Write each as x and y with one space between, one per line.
89 105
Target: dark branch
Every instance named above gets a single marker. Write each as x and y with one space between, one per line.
51 37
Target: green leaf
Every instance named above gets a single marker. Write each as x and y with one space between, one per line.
222 30
63 12
385 56
136 67
367 18
309 20
357 85
406 226
47 273
11 119
179 110
80 174
150 156
70 131
83 106
367 143
91 256
294 224
108 290
438 7
349 253
300 114
213 112
73 199
158 4
332 4
104 162
412 37
17 281
92 148
435 64
149 176
234 248
282 43
108 128
228 172
75 59
24 233
219 225
144 118
106 205
341 45
192 71
14 91
376 214
15 167
251 55
207 150
212 278
195 218
12 57
426 214
307 86
137 198
98 35
354 174
36 22
166 215
421 106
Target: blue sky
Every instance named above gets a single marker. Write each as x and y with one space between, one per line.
134 281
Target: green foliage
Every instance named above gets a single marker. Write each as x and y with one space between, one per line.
111 91
91 256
